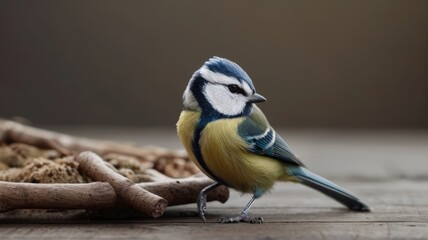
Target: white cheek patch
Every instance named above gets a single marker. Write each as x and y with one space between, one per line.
223 101
219 78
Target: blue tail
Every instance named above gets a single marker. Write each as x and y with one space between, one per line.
328 188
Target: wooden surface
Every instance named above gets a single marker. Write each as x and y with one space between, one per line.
388 170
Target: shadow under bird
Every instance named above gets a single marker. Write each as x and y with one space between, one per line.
229 138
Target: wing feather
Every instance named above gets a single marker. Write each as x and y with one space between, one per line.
263 140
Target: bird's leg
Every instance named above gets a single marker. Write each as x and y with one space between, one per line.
202 199
243 217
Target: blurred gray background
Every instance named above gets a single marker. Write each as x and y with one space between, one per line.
321 64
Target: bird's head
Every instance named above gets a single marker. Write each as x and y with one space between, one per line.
221 87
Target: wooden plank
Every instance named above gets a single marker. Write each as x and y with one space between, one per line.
291 212
136 230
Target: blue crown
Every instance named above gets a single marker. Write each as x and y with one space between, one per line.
228 68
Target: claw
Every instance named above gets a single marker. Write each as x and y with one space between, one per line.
257 220
241 218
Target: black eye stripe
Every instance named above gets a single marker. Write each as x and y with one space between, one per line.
233 88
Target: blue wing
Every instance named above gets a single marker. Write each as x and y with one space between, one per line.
263 140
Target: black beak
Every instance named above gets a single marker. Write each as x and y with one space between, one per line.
256 98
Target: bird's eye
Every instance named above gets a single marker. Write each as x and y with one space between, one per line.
233 88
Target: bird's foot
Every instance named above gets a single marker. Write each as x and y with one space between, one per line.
241 218
202 205
202 199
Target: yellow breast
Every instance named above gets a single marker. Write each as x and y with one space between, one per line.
226 155
186 126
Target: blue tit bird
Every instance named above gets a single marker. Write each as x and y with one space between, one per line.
229 138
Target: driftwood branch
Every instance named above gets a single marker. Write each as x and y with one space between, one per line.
55 196
141 200
98 195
